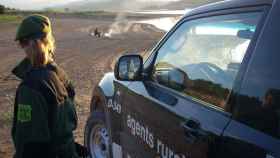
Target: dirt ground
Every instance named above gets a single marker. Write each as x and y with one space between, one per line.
84 57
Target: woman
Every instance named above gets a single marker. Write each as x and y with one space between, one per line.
44 113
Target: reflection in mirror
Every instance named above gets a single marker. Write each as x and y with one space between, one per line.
123 69
134 65
245 34
209 51
170 76
129 67
260 113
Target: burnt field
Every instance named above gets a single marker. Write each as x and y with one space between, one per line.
84 57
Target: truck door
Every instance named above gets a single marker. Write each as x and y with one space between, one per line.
255 128
179 110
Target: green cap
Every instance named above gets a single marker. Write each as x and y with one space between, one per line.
33 27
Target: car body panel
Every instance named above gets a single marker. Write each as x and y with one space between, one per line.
240 134
162 112
165 123
251 138
106 90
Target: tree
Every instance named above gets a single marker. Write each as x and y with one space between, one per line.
2 9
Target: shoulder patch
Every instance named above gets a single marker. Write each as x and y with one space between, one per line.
24 113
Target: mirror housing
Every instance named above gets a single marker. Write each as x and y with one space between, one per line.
173 78
245 34
129 68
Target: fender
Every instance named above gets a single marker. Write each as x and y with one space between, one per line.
104 91
106 85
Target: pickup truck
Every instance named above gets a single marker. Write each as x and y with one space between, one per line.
209 88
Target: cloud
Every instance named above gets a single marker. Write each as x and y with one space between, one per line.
33 4
39 4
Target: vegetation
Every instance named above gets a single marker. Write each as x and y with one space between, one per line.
2 9
6 118
9 18
53 10
6 14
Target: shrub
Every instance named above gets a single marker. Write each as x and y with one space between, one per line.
2 9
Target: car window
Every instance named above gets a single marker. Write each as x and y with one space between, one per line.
202 57
258 102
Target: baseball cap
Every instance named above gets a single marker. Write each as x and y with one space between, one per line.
33 27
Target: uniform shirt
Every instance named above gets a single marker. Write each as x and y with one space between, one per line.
44 113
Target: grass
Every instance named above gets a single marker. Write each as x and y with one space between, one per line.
6 118
4 18
6 112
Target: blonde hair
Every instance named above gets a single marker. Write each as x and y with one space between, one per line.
41 51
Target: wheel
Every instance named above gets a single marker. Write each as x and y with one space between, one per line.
97 136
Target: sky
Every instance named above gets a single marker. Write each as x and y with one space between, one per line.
33 4
40 4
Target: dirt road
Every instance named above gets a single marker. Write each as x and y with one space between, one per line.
85 58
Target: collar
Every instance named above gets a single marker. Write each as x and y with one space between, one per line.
22 68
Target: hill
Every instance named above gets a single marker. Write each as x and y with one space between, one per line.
129 5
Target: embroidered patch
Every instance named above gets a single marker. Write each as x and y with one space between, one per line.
24 113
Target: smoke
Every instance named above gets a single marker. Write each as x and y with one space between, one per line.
122 24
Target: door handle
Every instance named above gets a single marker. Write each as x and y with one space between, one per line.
192 130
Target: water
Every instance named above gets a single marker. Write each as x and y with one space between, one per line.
166 23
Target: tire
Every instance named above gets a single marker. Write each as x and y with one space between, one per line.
97 136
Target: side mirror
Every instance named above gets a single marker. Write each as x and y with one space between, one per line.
172 77
245 34
129 68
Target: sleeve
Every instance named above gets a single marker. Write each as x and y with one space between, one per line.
68 85
31 120
70 90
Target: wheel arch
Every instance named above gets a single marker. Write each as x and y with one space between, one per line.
101 93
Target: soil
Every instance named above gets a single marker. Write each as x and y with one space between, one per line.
85 59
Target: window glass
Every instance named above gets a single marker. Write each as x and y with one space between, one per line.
202 57
258 104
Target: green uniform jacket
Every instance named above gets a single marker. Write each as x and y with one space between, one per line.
44 113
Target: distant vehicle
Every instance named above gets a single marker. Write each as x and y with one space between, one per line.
210 88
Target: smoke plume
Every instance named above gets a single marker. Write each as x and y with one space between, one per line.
121 24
